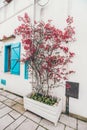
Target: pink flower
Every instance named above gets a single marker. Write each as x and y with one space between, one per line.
71 54
69 20
66 49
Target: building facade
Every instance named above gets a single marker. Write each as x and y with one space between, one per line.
13 74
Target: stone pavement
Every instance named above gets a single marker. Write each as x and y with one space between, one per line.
14 117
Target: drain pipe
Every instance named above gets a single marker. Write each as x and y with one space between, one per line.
42 4
69 7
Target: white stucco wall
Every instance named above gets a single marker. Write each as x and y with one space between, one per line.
14 83
57 11
78 11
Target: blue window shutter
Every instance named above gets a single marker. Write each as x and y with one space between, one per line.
26 67
6 58
15 59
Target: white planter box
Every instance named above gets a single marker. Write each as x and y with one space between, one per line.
51 113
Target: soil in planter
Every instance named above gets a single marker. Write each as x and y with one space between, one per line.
44 99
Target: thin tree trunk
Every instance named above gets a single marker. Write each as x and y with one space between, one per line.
47 84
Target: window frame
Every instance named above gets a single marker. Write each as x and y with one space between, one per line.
6 58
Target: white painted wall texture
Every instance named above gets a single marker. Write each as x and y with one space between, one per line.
14 83
78 11
57 11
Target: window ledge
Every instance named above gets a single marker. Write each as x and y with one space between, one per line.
5 38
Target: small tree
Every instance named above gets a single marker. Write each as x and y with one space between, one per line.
46 49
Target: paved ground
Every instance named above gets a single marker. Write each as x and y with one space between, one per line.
14 117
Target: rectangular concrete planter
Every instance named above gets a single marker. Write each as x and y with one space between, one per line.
51 113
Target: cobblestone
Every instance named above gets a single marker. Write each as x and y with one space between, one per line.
13 116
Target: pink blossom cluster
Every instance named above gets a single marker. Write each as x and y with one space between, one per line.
47 48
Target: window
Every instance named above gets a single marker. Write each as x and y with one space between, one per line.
12 59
